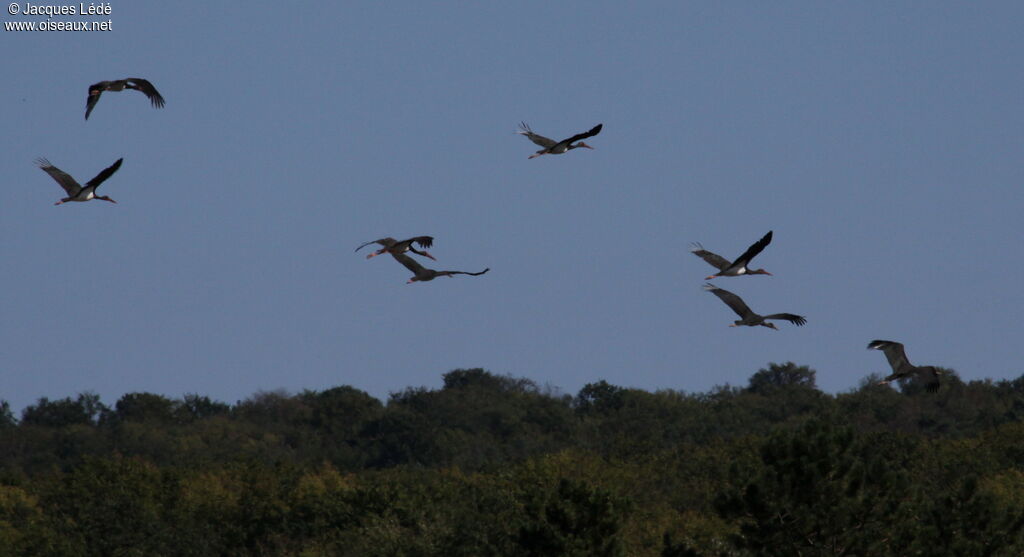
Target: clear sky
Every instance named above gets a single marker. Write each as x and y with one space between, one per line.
880 141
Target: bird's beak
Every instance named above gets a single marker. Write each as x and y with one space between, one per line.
428 255
733 325
585 145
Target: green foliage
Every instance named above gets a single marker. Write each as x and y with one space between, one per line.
6 416
493 465
821 489
143 407
477 419
779 377
110 507
23 528
195 407
574 519
599 398
85 410
961 518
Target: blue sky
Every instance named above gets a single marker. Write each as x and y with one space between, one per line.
880 141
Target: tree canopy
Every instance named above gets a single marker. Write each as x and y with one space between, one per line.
494 465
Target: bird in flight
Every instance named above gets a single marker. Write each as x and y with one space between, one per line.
75 191
738 267
422 274
901 366
139 84
552 147
394 246
748 317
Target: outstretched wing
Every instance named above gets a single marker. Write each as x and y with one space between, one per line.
146 87
932 385
95 90
470 274
797 320
424 242
63 178
593 131
730 299
386 242
409 263
753 250
713 259
538 139
104 174
894 353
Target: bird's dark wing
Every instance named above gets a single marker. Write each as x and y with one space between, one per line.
730 299
90 103
63 178
106 173
466 273
593 131
895 354
797 320
409 263
932 385
538 139
95 90
753 250
713 259
146 87
425 242
386 242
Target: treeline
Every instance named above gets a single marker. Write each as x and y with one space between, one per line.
495 465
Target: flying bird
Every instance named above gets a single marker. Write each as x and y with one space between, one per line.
422 274
394 246
748 317
97 89
552 147
901 366
738 267
75 191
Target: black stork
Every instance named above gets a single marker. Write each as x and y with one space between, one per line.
748 317
901 366
422 274
136 83
394 246
75 191
552 147
738 267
